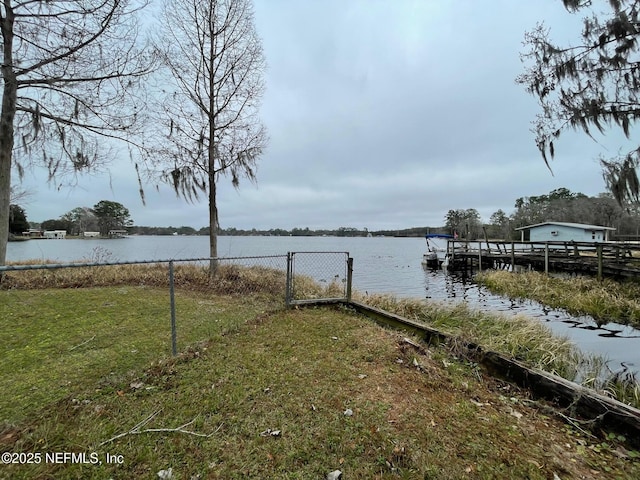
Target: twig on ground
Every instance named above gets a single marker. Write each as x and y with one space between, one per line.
81 344
181 429
576 423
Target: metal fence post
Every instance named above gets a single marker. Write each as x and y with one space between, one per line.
349 277
174 347
289 283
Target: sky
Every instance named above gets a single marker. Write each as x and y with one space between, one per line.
381 114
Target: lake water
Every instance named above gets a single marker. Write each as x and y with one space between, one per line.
381 265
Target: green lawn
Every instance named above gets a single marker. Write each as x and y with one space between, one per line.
53 342
261 393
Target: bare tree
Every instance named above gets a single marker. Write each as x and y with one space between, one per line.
81 219
210 113
70 69
17 195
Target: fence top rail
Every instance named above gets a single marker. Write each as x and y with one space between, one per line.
53 266
343 253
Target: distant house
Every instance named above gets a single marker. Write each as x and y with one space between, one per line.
118 233
33 233
91 234
60 234
565 232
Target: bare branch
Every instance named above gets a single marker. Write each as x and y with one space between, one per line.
594 85
78 66
136 430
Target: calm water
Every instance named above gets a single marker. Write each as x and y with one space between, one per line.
381 265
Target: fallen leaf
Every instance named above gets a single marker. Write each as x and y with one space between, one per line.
535 463
418 365
335 475
165 474
621 452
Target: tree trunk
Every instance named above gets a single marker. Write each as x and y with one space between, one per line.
7 115
212 151
213 225
5 185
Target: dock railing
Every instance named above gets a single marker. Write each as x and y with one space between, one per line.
621 258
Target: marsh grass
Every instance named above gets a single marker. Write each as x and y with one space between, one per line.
518 337
306 288
229 279
606 301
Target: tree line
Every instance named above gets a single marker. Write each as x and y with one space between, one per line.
103 217
559 205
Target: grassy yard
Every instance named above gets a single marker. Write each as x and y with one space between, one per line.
55 341
261 392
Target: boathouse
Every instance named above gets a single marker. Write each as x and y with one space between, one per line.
57 234
565 232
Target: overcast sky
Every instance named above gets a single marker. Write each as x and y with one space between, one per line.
381 114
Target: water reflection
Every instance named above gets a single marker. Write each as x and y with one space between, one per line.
616 342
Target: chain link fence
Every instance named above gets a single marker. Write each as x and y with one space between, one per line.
293 278
318 276
62 323
242 277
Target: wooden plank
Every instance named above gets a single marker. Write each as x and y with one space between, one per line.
599 252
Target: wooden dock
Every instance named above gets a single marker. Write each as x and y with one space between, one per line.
613 259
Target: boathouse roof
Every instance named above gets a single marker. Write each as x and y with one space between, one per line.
583 226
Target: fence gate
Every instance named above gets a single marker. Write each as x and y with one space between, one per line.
318 276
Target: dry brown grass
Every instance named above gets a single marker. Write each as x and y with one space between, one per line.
230 279
519 337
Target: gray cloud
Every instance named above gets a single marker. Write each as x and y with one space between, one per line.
381 114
